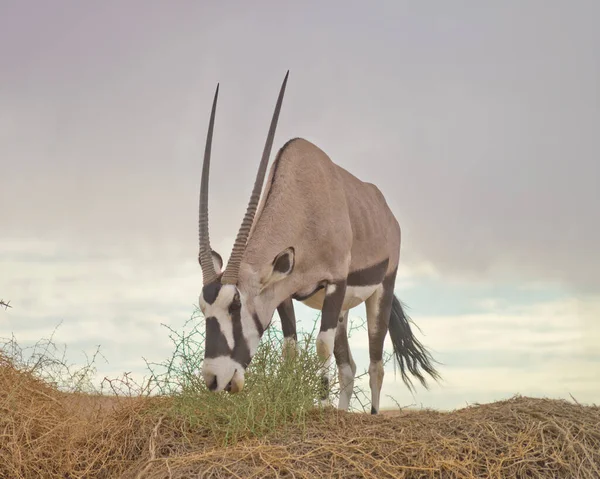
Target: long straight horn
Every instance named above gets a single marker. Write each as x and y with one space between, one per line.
205 255
230 275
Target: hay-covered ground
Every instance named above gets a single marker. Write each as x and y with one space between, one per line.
55 424
521 437
50 434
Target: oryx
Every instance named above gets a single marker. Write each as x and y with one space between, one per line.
321 236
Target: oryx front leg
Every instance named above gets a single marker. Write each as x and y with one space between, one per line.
288 326
379 308
344 361
332 307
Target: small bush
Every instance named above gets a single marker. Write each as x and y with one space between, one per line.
277 391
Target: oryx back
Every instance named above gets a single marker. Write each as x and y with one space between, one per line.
317 234
340 226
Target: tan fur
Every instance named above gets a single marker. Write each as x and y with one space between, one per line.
317 229
355 295
335 222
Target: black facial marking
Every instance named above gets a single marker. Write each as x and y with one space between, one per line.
368 276
211 291
216 344
213 385
240 353
235 304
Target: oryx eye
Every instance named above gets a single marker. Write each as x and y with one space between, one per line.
235 303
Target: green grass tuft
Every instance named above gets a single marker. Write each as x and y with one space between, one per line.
277 392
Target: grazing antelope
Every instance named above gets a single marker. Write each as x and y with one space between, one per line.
321 236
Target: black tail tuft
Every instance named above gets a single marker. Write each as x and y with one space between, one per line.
408 351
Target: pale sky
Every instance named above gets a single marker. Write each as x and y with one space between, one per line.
480 122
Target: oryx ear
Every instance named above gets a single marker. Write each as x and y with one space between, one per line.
283 263
282 266
217 261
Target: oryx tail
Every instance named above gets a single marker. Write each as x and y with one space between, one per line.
408 351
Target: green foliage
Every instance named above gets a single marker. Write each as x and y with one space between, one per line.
277 391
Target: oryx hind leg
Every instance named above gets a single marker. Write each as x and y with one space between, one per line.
379 308
345 363
288 326
330 313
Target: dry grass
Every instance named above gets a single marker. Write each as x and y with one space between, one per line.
52 434
55 424
521 437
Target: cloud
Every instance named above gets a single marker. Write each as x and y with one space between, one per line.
542 349
493 341
479 125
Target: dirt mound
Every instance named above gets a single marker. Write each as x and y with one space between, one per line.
520 437
46 433
50 434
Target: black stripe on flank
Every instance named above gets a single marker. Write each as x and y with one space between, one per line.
302 297
368 276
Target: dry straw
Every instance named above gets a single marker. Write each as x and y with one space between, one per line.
49 429
51 434
520 437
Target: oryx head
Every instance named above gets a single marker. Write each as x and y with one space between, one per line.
233 327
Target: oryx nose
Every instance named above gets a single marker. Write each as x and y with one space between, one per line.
211 382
